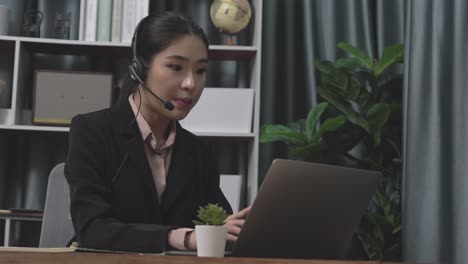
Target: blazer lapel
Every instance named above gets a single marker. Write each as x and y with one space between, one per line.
131 144
180 171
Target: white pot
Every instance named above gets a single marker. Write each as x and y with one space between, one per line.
211 240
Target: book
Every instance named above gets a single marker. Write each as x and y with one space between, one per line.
82 19
128 20
90 20
116 35
104 20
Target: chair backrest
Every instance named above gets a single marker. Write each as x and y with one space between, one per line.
57 229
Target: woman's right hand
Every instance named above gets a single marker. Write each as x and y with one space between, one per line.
234 224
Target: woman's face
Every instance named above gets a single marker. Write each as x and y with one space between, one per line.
177 74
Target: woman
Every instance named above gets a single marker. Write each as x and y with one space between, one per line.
136 176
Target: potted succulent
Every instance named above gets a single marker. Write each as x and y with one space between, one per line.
211 233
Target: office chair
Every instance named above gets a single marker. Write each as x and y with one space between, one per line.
57 229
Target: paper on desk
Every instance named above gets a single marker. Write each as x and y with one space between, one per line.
70 249
35 249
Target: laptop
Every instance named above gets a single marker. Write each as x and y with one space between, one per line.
305 210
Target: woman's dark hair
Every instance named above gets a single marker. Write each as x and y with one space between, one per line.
155 34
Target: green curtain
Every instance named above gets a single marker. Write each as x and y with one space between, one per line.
436 132
296 33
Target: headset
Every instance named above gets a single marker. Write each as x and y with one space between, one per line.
137 71
137 68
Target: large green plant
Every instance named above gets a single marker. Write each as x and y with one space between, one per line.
359 125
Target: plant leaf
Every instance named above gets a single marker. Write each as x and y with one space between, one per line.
309 150
364 99
390 56
298 126
332 76
343 84
377 118
357 53
198 222
352 64
211 214
272 133
324 66
344 106
313 118
354 89
330 125
395 148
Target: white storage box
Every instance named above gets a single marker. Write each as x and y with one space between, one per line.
222 110
231 187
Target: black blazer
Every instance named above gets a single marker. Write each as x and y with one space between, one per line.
114 204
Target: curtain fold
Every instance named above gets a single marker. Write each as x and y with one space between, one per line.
435 132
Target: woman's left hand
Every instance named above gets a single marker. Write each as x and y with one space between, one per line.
234 224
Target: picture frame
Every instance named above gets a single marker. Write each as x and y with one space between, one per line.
58 96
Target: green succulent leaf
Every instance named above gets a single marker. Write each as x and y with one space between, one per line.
377 118
198 222
357 53
390 56
313 118
211 214
272 133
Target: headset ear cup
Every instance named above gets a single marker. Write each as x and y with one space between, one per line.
136 71
141 70
131 71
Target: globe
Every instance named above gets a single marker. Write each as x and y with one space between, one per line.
230 16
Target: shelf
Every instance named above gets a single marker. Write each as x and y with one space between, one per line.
35 128
65 41
66 129
77 47
69 47
232 52
7 44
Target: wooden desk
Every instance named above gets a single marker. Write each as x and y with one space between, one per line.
104 258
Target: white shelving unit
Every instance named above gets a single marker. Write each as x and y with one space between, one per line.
17 118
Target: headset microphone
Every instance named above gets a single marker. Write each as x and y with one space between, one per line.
168 105
137 68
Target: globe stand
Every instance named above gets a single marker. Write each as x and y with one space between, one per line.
230 41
